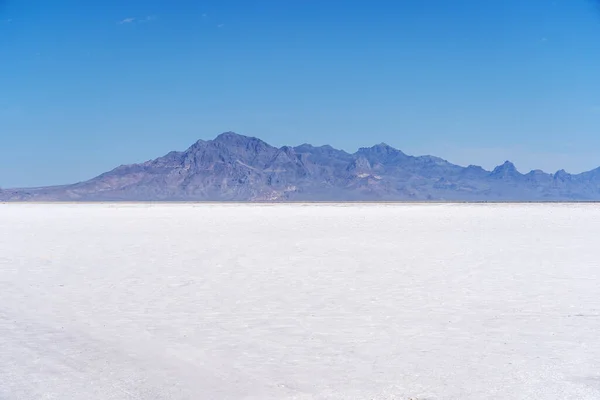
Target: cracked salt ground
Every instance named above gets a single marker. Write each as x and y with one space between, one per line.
299 301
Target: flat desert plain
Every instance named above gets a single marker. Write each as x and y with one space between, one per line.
299 301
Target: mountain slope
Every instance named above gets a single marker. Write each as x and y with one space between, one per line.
234 167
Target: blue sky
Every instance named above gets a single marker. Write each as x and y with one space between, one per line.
88 85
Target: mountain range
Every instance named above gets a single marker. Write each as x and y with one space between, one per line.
234 167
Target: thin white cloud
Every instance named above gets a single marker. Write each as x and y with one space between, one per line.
220 25
131 20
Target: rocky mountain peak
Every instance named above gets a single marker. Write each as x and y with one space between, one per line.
507 169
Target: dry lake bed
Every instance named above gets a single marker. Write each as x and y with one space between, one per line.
299 301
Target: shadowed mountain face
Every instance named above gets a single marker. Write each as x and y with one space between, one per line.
235 167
